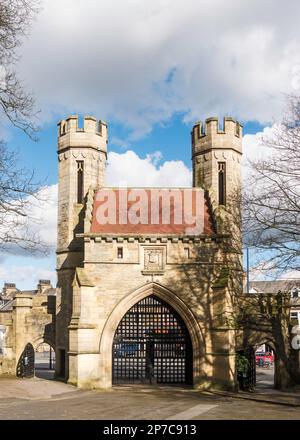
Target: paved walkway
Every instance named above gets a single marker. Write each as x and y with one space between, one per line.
265 392
47 399
275 397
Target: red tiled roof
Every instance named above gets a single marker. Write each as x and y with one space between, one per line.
143 201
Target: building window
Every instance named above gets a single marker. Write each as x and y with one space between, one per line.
222 182
296 315
120 252
187 252
80 181
295 292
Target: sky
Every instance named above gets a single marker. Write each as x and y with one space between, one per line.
150 69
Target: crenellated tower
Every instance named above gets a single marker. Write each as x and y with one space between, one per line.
216 155
81 164
81 156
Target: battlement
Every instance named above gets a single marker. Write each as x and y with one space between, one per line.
209 136
90 125
211 127
93 133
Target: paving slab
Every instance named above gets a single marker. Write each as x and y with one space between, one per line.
39 399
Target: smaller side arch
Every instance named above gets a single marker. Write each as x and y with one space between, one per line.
249 349
41 340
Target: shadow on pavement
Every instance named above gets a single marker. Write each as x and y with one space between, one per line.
264 379
44 374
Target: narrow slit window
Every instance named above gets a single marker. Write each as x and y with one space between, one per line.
187 252
120 252
222 182
80 181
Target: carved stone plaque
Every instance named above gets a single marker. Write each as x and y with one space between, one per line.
153 259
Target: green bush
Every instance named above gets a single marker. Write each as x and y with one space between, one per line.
242 364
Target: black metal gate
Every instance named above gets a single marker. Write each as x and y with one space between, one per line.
25 367
152 345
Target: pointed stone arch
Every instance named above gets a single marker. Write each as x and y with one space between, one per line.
167 295
42 340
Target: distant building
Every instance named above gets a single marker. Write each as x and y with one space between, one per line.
26 316
292 286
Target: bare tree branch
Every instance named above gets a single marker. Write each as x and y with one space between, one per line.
272 199
16 104
17 186
17 190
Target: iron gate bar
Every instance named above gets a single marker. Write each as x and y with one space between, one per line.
152 345
25 367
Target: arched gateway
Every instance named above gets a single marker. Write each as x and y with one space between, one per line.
152 345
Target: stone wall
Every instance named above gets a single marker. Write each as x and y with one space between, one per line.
32 320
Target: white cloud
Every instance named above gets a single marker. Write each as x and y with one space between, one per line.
264 272
253 144
140 62
128 169
26 276
43 212
254 149
291 275
38 226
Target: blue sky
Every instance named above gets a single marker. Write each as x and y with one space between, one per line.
150 69
171 138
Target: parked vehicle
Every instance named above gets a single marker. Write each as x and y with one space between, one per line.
263 359
124 350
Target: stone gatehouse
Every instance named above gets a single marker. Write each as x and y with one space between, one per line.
145 304
138 303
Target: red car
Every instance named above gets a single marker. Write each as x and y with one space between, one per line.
264 359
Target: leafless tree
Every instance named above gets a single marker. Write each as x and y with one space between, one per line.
16 103
17 185
18 191
272 196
